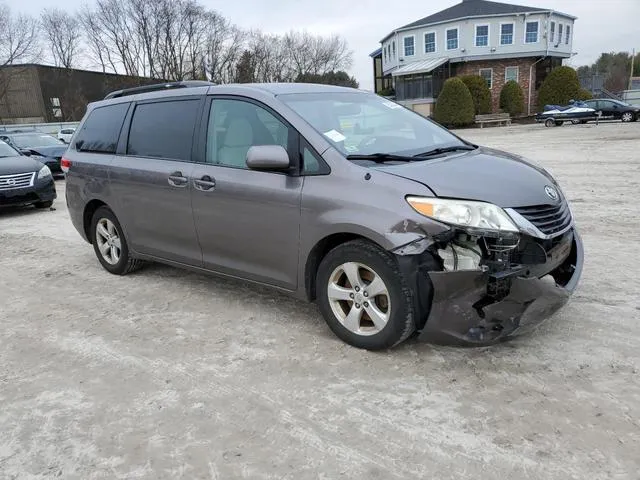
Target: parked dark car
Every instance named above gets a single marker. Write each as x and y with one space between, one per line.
614 109
24 180
42 147
393 224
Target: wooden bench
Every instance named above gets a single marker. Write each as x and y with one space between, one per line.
498 118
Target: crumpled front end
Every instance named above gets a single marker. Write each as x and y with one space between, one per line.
479 290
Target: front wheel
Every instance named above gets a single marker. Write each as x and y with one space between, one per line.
364 296
110 245
549 122
627 117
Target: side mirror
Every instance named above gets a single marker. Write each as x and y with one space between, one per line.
268 158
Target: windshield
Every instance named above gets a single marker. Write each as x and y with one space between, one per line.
35 140
363 124
7 151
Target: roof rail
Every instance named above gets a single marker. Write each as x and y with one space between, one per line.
157 87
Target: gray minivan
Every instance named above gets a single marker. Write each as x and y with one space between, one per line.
393 224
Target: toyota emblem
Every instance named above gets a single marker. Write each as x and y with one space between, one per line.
551 192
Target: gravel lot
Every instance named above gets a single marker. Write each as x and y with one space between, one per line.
168 374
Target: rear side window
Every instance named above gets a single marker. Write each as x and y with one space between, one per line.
101 129
163 129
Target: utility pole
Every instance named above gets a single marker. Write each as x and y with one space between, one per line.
633 57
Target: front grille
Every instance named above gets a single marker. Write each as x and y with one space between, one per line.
549 219
19 180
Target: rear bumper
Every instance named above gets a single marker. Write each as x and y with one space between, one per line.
42 191
457 316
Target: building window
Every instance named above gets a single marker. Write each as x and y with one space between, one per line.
430 42
560 33
531 33
385 54
393 45
552 33
452 39
511 74
506 34
487 74
482 35
568 35
409 46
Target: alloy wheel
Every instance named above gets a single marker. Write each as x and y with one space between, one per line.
627 117
359 298
108 240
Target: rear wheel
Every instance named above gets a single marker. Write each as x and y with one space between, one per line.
627 117
364 296
110 245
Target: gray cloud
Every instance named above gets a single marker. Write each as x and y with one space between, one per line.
601 26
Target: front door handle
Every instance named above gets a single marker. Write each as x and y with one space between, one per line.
205 184
176 179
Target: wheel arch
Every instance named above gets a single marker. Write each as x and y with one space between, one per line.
87 215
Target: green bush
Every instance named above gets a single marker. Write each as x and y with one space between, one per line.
584 94
480 93
512 98
560 86
454 106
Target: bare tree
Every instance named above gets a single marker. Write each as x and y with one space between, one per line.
224 45
62 31
18 37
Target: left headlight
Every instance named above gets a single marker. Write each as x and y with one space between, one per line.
44 172
464 213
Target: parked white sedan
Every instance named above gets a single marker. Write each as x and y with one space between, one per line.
65 134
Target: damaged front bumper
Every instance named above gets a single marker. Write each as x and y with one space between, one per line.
475 307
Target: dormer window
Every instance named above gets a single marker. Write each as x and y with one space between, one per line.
452 39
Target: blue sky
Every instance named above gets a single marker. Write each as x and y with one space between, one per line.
602 26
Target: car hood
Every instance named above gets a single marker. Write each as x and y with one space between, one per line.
483 174
11 165
53 151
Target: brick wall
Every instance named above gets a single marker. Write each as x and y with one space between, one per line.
498 77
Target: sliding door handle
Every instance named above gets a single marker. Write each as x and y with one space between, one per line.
205 184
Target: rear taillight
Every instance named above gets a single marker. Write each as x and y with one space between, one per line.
65 163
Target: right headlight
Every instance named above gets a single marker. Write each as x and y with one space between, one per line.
467 214
44 172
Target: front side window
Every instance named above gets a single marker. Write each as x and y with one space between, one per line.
452 39
568 35
101 129
560 33
430 42
235 126
552 32
506 34
409 46
482 35
487 74
511 74
531 32
363 124
163 129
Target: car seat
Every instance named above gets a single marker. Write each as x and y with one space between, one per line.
237 141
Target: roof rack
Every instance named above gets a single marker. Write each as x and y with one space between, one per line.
158 87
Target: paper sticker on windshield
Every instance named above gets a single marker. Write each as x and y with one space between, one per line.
334 135
391 105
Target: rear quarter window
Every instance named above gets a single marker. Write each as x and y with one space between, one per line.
101 129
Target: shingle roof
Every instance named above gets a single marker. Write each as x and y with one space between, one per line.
475 8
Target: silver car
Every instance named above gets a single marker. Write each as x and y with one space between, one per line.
393 224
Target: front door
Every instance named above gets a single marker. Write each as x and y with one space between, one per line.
248 222
152 181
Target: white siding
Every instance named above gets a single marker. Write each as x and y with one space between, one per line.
466 39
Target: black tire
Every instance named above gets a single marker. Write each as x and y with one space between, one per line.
43 204
549 122
126 264
401 323
559 123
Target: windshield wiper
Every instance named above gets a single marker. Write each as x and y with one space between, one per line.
438 151
382 157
